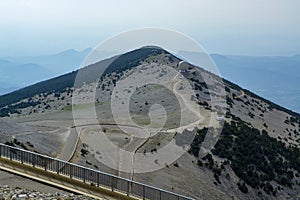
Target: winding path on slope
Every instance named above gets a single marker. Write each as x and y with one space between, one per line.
75 135
190 126
135 143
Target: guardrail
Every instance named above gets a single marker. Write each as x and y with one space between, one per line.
88 176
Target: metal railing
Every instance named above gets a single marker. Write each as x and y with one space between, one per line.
86 175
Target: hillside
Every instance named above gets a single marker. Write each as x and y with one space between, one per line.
256 155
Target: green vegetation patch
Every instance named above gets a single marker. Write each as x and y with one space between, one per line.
260 161
81 106
12 109
257 158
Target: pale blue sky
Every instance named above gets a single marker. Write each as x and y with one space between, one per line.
257 27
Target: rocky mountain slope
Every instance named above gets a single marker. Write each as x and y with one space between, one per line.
256 156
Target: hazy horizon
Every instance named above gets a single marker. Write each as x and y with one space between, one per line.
256 28
90 48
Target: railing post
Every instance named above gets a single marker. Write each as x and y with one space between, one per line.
98 181
71 171
33 160
144 197
0 151
112 184
159 194
45 164
84 175
10 155
57 167
22 157
128 188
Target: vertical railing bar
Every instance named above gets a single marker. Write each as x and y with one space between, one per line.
98 181
10 155
144 192
33 160
45 164
21 157
84 175
57 167
71 171
160 194
128 188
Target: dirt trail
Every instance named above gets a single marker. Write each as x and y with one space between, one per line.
136 142
187 105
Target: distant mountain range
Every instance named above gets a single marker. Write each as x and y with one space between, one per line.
18 72
273 77
14 76
59 63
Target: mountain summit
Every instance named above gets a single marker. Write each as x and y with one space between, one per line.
256 153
